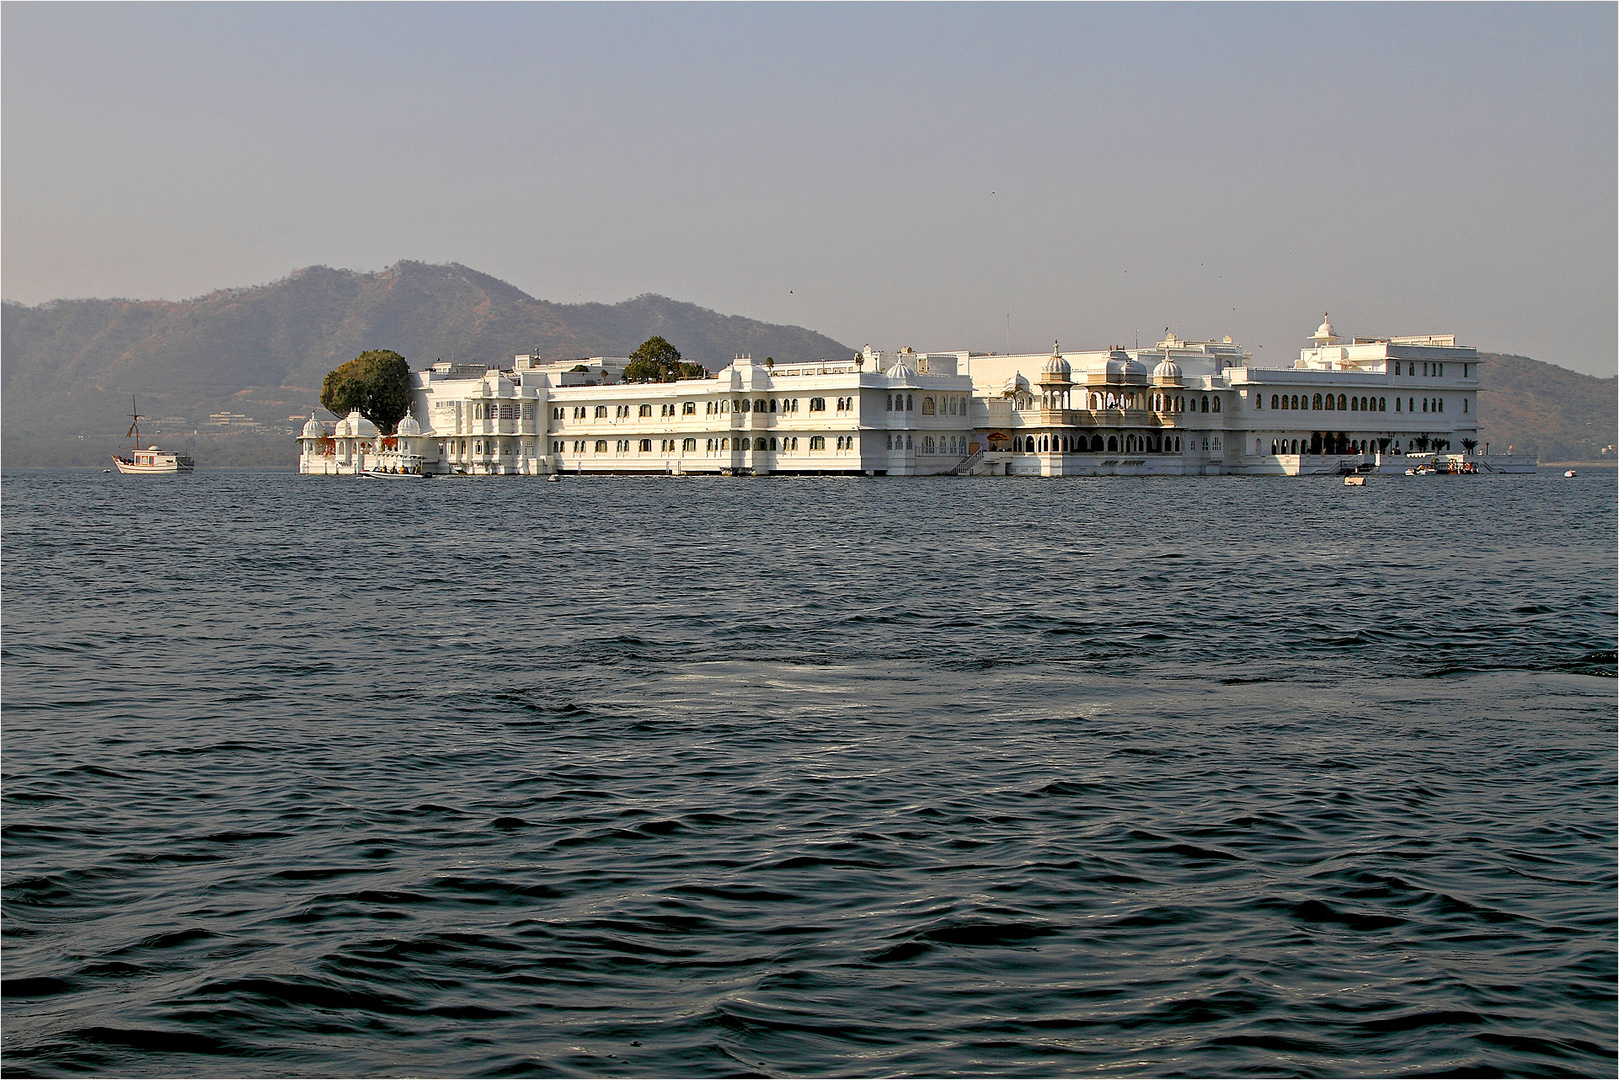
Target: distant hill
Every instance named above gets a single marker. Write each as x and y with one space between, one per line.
69 367
1541 408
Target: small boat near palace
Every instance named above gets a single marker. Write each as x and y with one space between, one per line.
151 460
1444 466
1571 473
396 473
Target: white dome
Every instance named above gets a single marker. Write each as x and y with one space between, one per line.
1056 366
1014 384
1167 371
1324 332
409 426
355 426
313 428
1120 367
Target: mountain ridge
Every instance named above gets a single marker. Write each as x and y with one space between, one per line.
68 367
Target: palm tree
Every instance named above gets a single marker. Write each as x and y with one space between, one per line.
1469 445
1383 444
1421 443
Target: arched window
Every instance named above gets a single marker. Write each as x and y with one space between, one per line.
688 408
1464 405
909 444
601 412
1383 405
817 404
1205 403
759 405
1329 406
772 442
1113 443
601 446
1424 404
927 406
1441 404
910 402
795 444
1342 402
646 410
725 444
1273 402
1096 444
646 446
890 406
772 404
1216 404
927 445
688 445
745 405
1315 402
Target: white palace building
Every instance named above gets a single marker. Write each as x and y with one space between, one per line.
1178 408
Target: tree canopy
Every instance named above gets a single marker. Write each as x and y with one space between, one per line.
377 382
655 360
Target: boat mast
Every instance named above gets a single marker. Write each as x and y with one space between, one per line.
134 432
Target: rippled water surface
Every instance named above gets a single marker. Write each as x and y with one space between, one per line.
808 776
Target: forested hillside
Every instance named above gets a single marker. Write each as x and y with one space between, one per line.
69 367
1541 408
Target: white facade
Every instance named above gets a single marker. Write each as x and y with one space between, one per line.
865 415
1177 408
1202 408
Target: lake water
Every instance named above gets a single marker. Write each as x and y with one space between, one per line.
1226 776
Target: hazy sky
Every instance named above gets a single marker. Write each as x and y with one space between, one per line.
901 175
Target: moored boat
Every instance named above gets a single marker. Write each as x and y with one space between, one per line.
150 461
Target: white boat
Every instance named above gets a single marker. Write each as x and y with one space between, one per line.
1571 472
377 473
150 460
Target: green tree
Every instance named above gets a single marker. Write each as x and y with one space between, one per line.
655 360
1469 445
376 382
